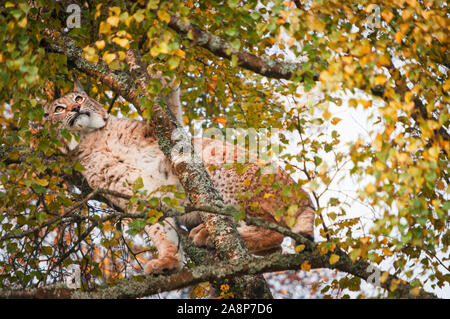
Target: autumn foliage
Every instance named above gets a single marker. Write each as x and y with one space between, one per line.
296 66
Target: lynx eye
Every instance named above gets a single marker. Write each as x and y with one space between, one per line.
79 99
59 109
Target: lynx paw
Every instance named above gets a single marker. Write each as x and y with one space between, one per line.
200 236
163 265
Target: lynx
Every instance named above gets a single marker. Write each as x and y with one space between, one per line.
115 152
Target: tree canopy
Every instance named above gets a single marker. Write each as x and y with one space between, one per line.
294 67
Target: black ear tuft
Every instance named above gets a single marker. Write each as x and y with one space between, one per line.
77 87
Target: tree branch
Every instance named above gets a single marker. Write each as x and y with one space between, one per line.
263 65
148 285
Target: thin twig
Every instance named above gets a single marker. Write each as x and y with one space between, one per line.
111 104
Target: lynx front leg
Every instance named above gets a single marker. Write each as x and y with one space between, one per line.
166 241
200 237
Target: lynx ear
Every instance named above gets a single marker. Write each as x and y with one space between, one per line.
77 87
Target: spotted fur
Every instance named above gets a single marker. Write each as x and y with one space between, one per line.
116 152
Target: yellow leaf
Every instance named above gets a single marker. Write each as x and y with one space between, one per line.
163 48
124 34
254 205
402 158
406 14
292 210
364 240
398 37
181 53
347 59
365 103
323 250
415 291
384 60
164 16
124 43
139 16
22 23
100 44
314 23
446 85
334 259
370 188
90 54
306 266
299 248
387 15
380 79
104 28
113 21
290 221
109 57
115 10
154 51
355 253
326 115
122 55
387 252
335 120
384 277
42 182
98 12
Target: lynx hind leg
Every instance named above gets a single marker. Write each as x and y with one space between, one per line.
166 241
259 240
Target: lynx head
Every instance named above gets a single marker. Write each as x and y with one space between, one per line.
76 111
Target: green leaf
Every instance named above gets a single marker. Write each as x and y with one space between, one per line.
11 248
180 195
47 250
78 167
136 226
138 184
154 201
238 215
40 217
233 3
317 160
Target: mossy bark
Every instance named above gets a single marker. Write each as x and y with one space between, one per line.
148 285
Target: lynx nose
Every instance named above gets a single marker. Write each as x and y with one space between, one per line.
76 109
